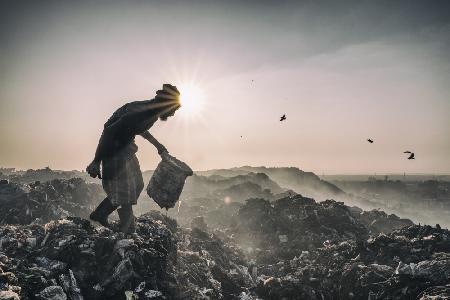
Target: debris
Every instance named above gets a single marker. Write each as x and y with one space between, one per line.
46 201
101 263
304 225
199 223
159 261
53 292
379 222
9 295
290 247
436 293
283 238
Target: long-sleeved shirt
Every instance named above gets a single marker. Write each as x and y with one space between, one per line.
128 121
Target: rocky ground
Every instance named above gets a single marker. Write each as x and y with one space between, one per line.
290 248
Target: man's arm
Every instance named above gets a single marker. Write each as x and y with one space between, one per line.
146 135
106 142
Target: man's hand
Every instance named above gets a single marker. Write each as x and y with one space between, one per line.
94 169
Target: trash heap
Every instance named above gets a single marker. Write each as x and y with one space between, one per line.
74 260
378 221
70 259
410 263
282 229
210 268
302 249
41 202
291 248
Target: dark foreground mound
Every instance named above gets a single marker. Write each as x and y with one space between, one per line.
70 259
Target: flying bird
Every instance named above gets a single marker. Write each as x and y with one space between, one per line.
370 141
283 117
411 156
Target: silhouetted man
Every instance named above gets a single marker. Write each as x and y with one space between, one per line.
116 151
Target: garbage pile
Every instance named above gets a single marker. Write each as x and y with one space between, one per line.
210 268
70 259
41 202
410 263
308 250
271 231
378 221
290 248
436 293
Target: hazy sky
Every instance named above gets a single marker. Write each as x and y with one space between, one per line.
341 71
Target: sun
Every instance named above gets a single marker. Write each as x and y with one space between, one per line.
192 99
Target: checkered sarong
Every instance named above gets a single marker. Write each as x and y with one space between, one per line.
122 179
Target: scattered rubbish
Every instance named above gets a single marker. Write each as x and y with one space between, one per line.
283 238
379 222
290 247
199 223
45 201
53 292
308 225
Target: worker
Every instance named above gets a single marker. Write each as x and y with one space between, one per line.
116 154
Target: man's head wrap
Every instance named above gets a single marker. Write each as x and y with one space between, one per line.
170 93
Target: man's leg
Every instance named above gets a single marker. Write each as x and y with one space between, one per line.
127 222
101 213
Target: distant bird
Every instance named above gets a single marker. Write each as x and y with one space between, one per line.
370 141
283 117
407 152
241 135
411 156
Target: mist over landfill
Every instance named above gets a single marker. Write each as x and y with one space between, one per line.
242 233
206 150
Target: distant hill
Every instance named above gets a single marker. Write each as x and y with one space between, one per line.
401 177
305 183
198 186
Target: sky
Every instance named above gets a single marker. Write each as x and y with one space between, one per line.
341 71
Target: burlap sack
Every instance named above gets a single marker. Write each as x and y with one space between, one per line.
167 181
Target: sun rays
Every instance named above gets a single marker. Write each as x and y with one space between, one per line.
192 100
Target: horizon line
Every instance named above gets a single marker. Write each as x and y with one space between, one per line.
270 167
